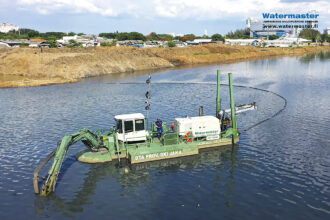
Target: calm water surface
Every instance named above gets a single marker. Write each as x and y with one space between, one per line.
279 170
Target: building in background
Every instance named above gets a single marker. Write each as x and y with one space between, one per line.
257 29
6 27
176 35
84 40
282 24
327 31
282 42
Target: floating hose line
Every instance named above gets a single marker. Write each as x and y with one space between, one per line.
272 116
239 86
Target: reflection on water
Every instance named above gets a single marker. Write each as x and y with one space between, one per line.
322 56
139 175
281 169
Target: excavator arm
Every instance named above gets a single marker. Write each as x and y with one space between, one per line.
90 139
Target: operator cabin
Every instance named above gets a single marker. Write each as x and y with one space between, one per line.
130 127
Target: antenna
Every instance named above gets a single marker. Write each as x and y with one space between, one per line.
147 102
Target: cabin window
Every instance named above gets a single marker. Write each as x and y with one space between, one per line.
128 126
120 126
139 125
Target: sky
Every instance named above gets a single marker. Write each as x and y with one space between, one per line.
145 16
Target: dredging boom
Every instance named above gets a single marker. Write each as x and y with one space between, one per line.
89 138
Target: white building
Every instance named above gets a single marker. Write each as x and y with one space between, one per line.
67 39
254 24
176 35
2 44
85 41
154 43
281 42
242 42
286 42
327 31
6 27
203 41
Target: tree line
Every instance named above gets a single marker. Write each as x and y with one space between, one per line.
153 36
25 33
314 35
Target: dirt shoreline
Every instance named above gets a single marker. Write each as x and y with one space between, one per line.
22 67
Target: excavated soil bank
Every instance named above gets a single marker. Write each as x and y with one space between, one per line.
30 67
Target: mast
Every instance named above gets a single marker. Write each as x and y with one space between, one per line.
218 101
232 103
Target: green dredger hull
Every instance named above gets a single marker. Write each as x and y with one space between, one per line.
138 153
106 147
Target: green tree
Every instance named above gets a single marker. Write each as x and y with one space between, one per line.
74 44
109 44
152 36
24 45
324 37
318 38
171 44
309 34
108 35
52 43
25 33
13 36
33 34
136 36
273 37
52 35
165 37
217 37
239 34
123 36
24 30
202 37
188 37
71 33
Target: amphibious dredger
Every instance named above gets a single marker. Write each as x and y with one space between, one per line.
130 139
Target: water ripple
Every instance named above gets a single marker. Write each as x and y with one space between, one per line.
280 169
